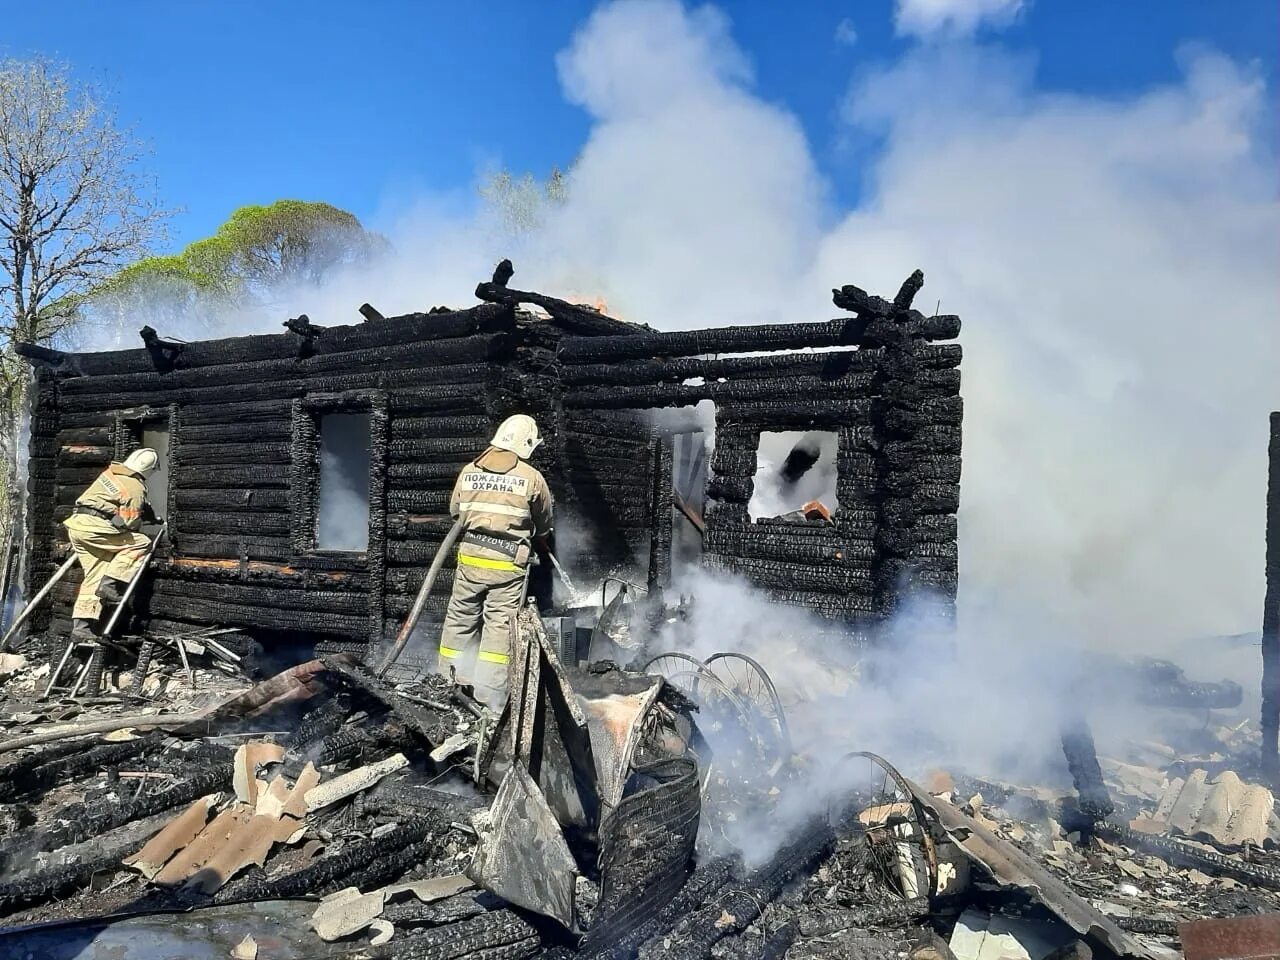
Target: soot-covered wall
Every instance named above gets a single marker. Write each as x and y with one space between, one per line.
243 418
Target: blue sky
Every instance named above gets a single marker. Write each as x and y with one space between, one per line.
247 102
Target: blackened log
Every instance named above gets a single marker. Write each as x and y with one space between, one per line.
78 865
787 413
322 874
77 822
1181 854
258 595
790 336
250 349
741 901
431 448
935 383
795 576
266 411
826 541
235 476
1082 760
59 763
411 473
465 394
419 501
229 453
100 436
1271 615
621 427
269 390
56 361
730 489
483 319
257 524
267 618
238 431
824 365
575 318
412 428
252 500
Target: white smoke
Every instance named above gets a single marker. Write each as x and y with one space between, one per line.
1112 258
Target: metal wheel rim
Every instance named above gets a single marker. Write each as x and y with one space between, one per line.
753 684
675 662
884 838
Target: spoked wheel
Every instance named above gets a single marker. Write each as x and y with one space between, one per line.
726 725
898 838
750 682
669 665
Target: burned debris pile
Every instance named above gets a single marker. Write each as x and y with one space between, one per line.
599 814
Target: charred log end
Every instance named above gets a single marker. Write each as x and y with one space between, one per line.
503 272
55 361
910 287
370 313
164 353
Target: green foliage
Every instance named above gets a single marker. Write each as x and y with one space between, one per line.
521 204
258 248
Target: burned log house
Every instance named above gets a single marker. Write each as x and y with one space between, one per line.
306 475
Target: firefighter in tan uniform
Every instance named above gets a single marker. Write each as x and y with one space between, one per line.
103 530
504 505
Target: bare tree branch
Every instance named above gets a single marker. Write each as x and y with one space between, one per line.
75 207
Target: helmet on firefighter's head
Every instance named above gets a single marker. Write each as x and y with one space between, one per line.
143 461
518 435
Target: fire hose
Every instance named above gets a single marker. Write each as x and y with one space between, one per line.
420 601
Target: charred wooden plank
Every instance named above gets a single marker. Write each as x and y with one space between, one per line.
254 524
934 383
850 331
272 452
795 576
254 500
267 618
824 365
235 476
258 595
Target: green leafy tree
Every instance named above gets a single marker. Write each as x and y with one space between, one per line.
259 252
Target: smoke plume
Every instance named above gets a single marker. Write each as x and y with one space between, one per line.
1112 258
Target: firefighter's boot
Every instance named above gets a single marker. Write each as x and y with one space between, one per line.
111 590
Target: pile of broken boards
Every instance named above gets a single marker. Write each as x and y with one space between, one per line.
327 813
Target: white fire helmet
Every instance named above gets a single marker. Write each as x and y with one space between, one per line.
143 461
519 435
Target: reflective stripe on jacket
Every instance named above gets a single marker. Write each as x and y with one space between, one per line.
501 495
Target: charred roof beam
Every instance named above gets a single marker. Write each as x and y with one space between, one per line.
574 317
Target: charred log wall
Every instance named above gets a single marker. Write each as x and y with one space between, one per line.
242 416
1271 613
243 419
889 392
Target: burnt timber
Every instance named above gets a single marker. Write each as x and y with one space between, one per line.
242 417
1271 614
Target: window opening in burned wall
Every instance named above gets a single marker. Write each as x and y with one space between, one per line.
342 506
154 427
688 497
794 468
156 436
